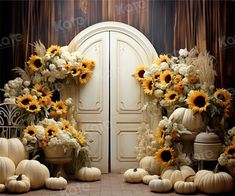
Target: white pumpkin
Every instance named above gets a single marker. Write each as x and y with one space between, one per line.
7 169
160 185
88 174
150 164
35 171
134 175
148 178
213 183
13 149
184 187
18 184
191 121
180 174
56 183
2 188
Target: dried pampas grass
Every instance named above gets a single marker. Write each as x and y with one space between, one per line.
39 48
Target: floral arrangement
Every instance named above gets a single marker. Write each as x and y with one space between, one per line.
185 81
50 120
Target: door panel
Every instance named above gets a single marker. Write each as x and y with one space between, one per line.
127 99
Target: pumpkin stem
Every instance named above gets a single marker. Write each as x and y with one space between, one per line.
185 180
135 170
19 178
216 168
35 157
58 174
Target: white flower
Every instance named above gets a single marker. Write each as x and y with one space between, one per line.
11 100
24 141
183 52
52 67
6 87
231 162
40 134
6 95
164 66
34 140
26 83
158 93
223 160
151 70
69 101
231 132
26 91
45 73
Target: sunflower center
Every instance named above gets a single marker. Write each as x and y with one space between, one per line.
50 132
150 85
172 96
74 71
83 75
231 151
25 101
200 101
54 51
84 65
32 107
156 76
38 63
221 97
166 155
31 132
141 73
168 78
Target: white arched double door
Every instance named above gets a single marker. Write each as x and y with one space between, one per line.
110 103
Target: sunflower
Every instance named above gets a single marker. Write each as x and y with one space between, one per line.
230 151
166 77
45 101
179 87
148 86
60 106
35 63
165 156
177 78
24 101
51 131
223 97
139 72
227 111
193 79
67 126
75 71
42 91
160 135
163 58
85 76
87 64
156 75
171 97
198 101
34 107
30 130
53 50
81 138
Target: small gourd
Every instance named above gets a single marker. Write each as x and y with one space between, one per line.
134 175
213 182
191 121
150 164
7 169
180 174
35 171
88 174
2 188
184 187
160 185
18 184
148 178
56 183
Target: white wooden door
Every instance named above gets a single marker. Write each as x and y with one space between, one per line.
110 103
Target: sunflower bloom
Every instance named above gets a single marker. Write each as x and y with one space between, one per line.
171 97
166 77
193 79
156 75
30 130
198 101
24 101
148 86
230 151
81 138
34 107
85 76
75 71
165 156
163 58
42 91
89 64
178 78
51 131
139 72
53 50
160 135
223 97
45 101
35 63
179 87
60 107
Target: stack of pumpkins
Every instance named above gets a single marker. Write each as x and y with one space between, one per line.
19 175
183 180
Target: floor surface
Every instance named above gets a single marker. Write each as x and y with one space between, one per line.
110 185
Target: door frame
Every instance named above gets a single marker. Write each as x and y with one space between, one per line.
120 28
